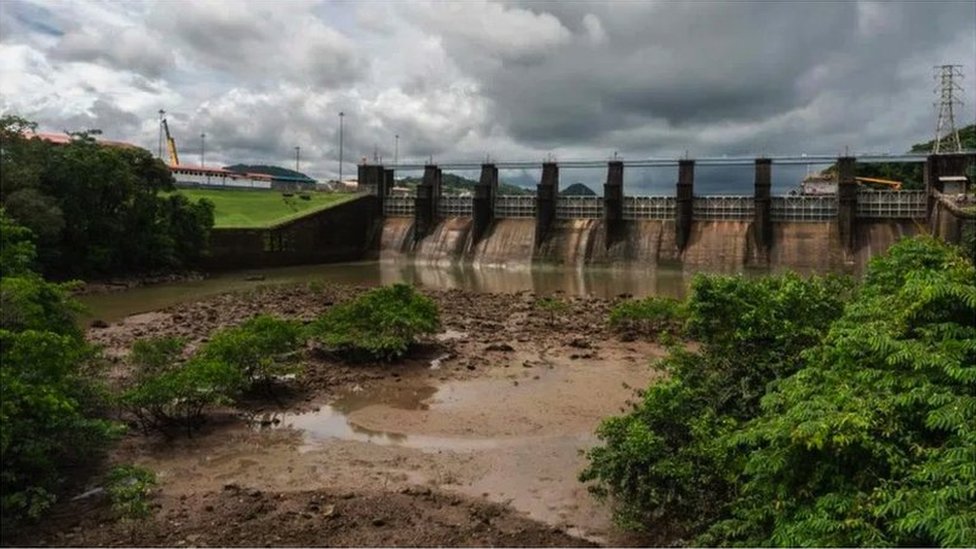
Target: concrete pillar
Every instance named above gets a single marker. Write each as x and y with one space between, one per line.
373 177
684 202
483 204
938 166
425 205
847 200
613 202
547 193
762 220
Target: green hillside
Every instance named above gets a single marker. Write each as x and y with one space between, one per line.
577 189
240 209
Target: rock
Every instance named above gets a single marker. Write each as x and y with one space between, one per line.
501 347
526 364
378 522
329 511
99 323
580 343
471 366
252 278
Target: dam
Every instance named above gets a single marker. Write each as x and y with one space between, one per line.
828 232
686 231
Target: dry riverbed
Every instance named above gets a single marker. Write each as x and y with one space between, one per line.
475 439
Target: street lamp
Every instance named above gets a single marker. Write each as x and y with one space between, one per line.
341 116
298 152
203 140
396 150
161 113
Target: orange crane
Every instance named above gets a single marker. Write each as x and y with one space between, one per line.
174 158
893 185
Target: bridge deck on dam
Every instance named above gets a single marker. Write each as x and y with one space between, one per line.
870 204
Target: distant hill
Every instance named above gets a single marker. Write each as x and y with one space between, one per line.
274 171
455 184
577 189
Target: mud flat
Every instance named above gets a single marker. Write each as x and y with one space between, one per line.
475 439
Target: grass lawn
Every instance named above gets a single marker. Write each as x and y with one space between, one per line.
254 209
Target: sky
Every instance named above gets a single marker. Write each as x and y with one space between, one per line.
509 80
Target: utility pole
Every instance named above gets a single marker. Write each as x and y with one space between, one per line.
203 140
396 150
298 152
946 123
341 116
161 113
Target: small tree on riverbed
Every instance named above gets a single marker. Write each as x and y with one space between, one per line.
381 324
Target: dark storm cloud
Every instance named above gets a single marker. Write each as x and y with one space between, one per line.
696 65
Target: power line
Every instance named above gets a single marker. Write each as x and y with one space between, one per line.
947 75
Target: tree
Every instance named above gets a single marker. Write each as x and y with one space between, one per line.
874 442
49 403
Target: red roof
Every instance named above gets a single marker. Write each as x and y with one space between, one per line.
64 139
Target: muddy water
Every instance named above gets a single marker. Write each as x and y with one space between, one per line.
514 435
600 282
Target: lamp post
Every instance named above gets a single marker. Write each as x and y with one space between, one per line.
161 113
341 116
396 150
298 152
203 140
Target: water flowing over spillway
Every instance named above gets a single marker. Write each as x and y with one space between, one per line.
712 245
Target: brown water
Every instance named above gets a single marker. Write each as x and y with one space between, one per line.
600 282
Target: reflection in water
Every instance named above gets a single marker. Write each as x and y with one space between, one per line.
600 282
332 421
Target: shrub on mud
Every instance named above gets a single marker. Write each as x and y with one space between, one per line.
262 349
553 307
49 404
649 316
176 398
129 488
152 356
381 324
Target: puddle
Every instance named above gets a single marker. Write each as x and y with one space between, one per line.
333 421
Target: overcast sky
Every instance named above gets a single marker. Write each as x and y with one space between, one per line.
457 81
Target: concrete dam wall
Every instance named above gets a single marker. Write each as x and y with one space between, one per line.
714 245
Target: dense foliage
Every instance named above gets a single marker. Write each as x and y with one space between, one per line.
49 401
651 316
262 349
128 488
781 431
663 463
381 324
97 210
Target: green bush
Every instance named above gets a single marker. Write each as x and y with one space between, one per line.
129 488
665 463
552 307
381 324
874 441
49 402
798 424
649 316
262 349
46 414
151 357
176 398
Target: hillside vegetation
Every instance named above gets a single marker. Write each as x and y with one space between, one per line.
455 184
911 174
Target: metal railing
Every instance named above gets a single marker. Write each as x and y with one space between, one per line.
515 205
892 204
399 205
579 207
803 208
649 207
454 206
723 207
